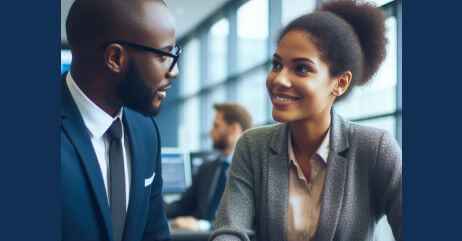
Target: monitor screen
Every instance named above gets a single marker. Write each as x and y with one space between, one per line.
176 170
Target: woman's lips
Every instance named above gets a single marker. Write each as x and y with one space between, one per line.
283 100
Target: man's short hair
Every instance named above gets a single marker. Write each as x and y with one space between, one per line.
101 20
235 113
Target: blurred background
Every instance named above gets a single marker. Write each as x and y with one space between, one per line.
227 49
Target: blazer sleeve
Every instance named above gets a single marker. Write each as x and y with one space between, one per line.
236 212
157 226
388 182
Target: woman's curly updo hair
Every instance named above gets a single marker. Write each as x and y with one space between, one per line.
349 34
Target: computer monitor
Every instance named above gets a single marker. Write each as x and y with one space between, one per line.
176 170
199 157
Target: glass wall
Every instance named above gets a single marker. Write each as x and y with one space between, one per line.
252 33
218 52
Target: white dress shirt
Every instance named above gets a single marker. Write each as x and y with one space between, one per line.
98 122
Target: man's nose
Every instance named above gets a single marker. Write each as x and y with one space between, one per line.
173 73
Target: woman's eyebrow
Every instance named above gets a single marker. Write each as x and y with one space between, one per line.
276 56
302 60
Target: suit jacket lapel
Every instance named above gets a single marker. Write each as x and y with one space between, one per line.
334 183
75 128
137 175
214 182
278 184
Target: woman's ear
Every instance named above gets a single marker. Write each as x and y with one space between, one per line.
115 58
342 83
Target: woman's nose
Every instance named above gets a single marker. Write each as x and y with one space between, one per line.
281 79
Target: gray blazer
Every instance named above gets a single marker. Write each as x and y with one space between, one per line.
362 183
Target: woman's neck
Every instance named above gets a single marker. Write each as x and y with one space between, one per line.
308 135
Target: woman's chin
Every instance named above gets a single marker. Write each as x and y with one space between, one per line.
281 117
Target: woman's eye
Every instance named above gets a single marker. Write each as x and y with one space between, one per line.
276 65
302 69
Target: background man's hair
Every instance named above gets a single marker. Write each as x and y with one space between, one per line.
235 113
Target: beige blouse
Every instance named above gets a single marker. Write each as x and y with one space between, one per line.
305 196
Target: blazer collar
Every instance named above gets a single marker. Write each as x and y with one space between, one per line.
138 157
279 140
334 182
72 123
278 184
338 136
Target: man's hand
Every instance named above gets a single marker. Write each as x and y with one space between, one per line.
188 223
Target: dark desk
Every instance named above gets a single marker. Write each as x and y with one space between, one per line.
184 235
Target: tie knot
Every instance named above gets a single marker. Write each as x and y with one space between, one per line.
115 130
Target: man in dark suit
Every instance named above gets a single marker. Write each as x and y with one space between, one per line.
196 208
124 55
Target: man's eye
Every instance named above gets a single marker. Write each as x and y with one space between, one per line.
162 58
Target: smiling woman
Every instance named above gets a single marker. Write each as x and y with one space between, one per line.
316 176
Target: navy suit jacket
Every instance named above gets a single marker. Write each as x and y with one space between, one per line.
85 213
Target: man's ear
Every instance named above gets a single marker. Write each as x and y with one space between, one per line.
116 58
237 129
342 83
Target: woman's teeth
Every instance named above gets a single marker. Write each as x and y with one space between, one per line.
283 99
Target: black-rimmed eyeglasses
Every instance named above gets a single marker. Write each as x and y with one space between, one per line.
174 54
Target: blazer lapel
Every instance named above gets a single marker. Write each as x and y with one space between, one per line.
75 128
278 184
334 184
137 175
214 183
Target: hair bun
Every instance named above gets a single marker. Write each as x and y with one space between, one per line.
368 22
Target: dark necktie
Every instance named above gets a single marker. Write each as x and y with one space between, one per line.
117 179
220 188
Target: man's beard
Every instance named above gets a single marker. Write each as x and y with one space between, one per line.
135 94
220 144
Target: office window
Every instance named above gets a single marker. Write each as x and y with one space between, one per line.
218 51
295 8
214 96
379 95
190 75
252 33
252 94
188 131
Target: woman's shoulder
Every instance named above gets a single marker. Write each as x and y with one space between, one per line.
365 132
361 135
265 132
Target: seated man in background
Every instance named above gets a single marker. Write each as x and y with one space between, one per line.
195 210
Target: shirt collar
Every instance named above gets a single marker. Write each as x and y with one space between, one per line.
96 119
227 158
322 151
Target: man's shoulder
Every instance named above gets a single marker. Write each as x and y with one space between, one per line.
139 119
208 165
